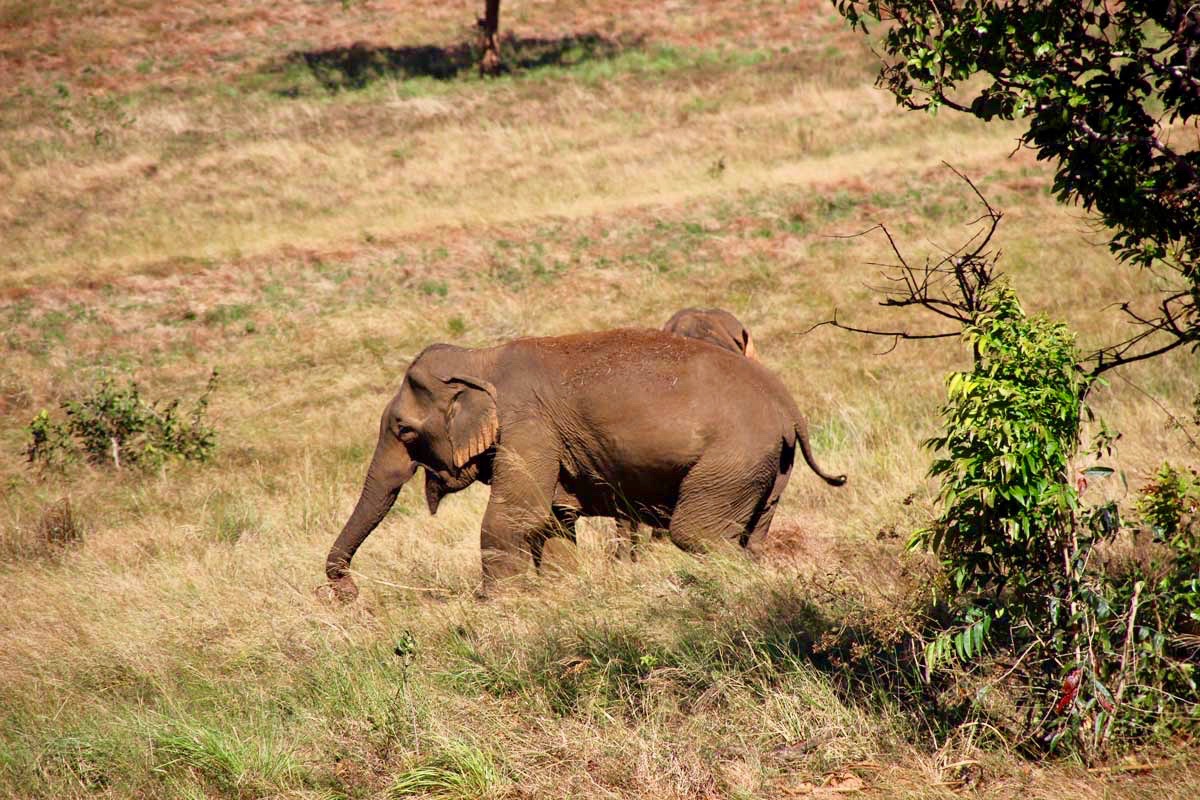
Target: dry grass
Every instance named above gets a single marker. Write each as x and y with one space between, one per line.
164 220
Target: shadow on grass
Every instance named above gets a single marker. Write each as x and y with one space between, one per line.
765 639
356 66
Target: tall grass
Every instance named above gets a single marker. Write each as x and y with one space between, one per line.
310 245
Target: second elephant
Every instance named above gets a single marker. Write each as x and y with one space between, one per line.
715 326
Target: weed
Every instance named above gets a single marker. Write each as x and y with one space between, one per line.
836 206
114 424
99 117
433 288
508 276
227 760
231 518
57 529
85 757
226 313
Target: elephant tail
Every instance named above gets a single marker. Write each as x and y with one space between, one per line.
806 450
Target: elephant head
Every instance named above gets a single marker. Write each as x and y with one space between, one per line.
443 419
715 326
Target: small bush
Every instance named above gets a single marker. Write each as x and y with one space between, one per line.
1164 598
115 425
1096 653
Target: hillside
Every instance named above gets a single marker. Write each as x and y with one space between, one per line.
303 196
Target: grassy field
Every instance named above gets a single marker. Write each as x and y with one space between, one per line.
304 196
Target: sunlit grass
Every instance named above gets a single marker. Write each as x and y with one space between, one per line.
310 245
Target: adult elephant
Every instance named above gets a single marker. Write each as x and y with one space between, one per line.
634 424
713 325
717 327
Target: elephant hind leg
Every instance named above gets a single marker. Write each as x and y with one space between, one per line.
720 501
563 525
756 535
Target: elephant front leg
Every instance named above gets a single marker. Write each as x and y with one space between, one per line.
511 538
519 516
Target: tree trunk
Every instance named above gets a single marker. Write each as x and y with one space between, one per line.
489 42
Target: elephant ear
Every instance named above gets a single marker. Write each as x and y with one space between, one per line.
472 419
748 346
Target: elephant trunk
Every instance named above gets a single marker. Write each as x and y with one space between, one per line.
390 469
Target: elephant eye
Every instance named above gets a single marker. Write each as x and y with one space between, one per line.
405 433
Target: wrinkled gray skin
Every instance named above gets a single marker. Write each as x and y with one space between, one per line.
713 325
717 327
639 425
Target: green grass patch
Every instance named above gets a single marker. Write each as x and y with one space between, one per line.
233 762
455 771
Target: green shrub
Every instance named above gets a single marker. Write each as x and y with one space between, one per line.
1095 648
1011 429
1164 598
116 425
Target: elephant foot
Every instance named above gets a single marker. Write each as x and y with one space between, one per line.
342 590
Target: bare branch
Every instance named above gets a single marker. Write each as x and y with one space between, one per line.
1171 321
949 288
873 332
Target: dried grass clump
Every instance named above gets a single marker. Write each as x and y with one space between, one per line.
57 530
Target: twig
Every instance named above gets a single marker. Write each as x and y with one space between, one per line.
950 287
390 585
1162 408
1125 650
1129 767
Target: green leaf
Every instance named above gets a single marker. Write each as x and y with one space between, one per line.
1098 472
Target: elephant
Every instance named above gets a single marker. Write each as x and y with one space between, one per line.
715 326
439 483
635 424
